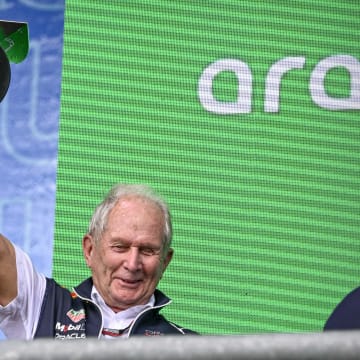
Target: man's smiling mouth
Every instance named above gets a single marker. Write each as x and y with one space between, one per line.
129 282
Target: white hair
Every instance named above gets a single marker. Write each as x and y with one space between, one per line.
99 218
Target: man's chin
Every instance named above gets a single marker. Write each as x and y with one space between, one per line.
126 296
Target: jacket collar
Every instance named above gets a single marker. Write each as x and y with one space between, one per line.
84 291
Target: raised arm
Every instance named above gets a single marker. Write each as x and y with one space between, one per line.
8 274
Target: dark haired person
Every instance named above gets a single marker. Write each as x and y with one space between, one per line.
346 315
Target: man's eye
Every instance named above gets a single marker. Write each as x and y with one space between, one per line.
120 248
149 251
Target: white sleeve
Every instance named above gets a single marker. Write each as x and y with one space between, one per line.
19 319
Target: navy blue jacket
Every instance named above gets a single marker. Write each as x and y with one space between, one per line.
73 315
346 315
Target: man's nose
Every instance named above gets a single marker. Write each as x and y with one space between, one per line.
133 260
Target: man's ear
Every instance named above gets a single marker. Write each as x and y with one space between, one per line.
88 247
167 259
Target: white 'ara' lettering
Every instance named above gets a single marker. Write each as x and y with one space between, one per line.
242 71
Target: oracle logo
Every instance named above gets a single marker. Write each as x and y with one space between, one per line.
243 103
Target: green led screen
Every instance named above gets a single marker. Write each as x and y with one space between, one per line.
245 116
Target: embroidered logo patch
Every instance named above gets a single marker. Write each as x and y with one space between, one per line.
76 315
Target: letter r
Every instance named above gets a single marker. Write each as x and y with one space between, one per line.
273 80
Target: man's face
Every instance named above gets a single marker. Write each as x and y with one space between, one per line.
129 260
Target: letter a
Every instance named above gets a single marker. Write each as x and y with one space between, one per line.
317 88
244 76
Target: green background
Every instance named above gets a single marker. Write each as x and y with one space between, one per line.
265 205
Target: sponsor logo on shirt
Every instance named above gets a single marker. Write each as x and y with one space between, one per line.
76 315
69 331
74 336
152 333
